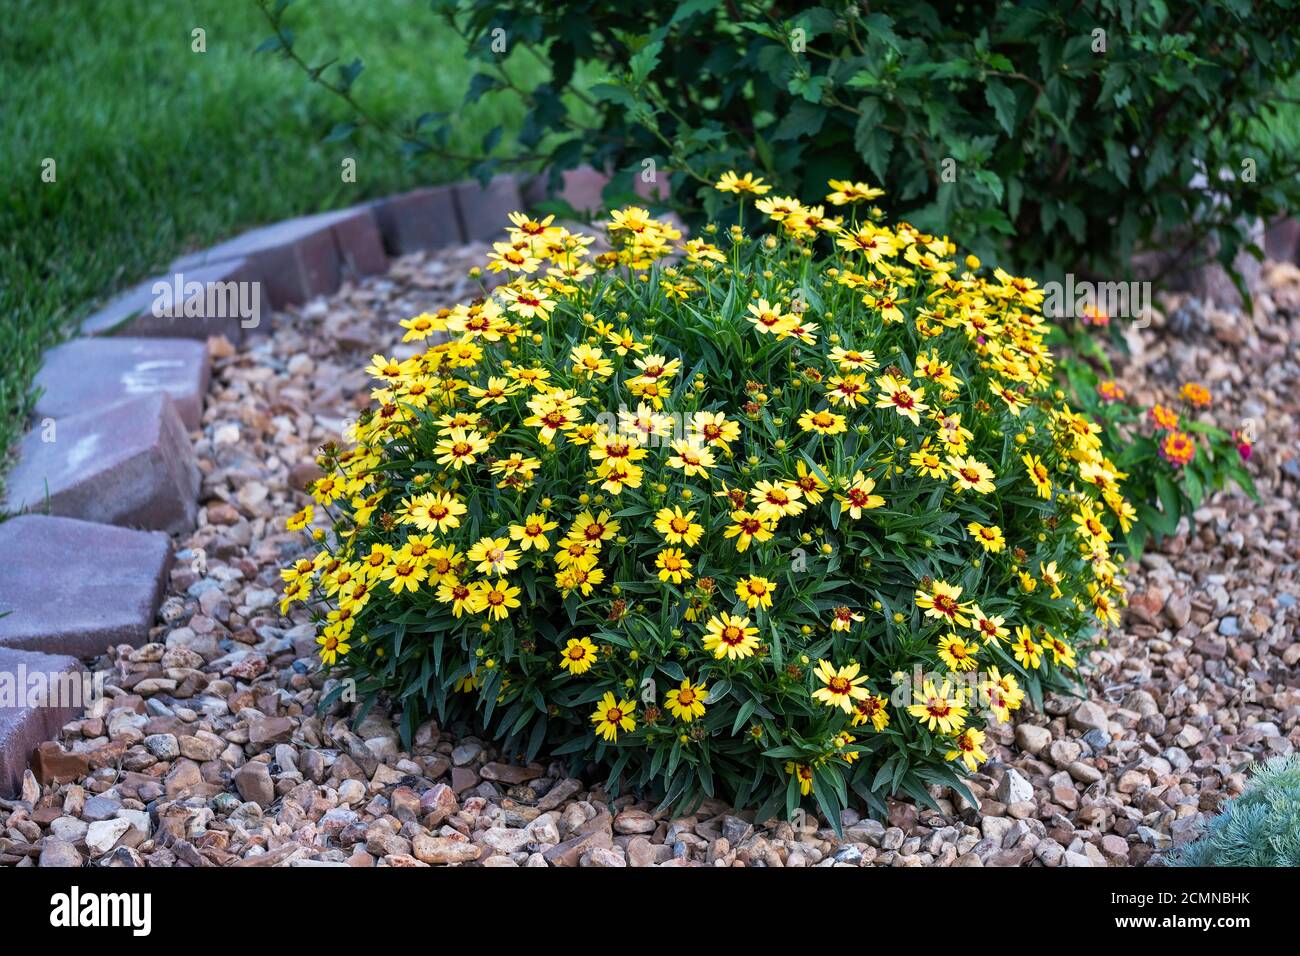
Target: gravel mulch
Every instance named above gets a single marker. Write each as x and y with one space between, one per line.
209 749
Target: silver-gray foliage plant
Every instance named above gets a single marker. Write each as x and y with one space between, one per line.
1259 828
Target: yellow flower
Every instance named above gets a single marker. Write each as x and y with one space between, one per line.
532 533
943 708
589 361
847 390
803 773
593 529
1027 653
844 618
843 192
776 501
1089 525
870 709
341 576
578 655
755 591
730 182
931 368
528 303
497 390
842 685
494 556
612 715
901 397
780 207
769 318
678 528
655 367
422 326
460 448
692 457
970 474
579 577
326 490
496 599
809 483
714 428
887 305
1062 653
300 519
927 462
645 422
969 748
687 701
404 575
673 565
858 496
1103 608
553 412
957 653
508 257
385 369
613 475
1039 475
989 536
444 563
943 603
576 552
295 591
624 342
824 422
1124 512
467 684
989 626
730 637
1001 693
851 359
462 598
1051 577
332 645
844 739
746 527
373 564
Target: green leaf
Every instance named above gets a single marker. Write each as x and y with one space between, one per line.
692 8
874 145
803 119
1003 100
643 62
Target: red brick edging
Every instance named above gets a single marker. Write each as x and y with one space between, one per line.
108 464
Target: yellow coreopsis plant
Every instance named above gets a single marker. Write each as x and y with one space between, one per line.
764 518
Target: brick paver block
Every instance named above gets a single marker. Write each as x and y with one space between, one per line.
484 210
301 258
417 220
88 374
581 189
200 300
130 464
1282 240
75 587
43 680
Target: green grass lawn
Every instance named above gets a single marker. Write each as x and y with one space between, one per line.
160 150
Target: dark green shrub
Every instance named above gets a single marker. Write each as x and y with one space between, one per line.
1052 136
